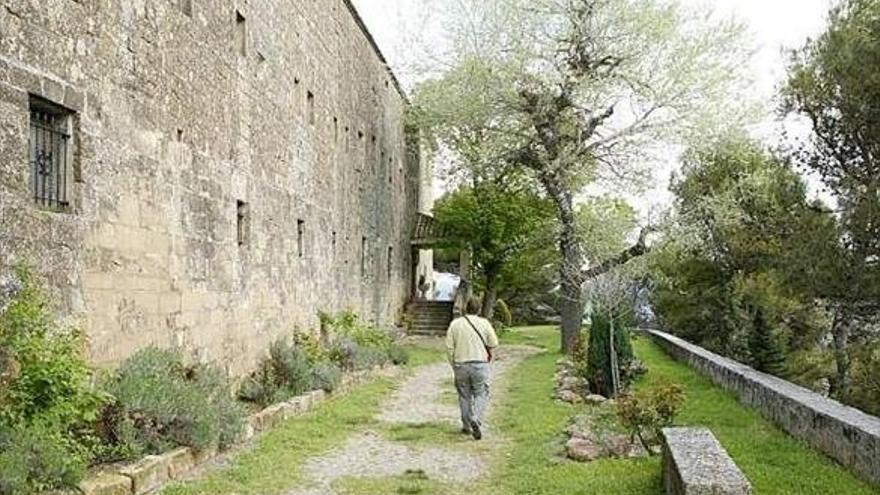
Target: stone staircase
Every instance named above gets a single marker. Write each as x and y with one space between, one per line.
429 317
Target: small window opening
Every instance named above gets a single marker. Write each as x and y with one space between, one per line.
50 153
390 262
300 237
186 7
242 220
335 129
310 107
364 247
179 135
241 33
333 241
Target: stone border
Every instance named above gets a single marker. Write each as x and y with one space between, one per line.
154 471
845 434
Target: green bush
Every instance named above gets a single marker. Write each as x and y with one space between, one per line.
48 406
503 313
326 376
285 373
398 355
645 413
162 404
39 457
348 325
597 370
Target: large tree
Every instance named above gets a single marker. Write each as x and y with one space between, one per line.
579 92
499 222
834 81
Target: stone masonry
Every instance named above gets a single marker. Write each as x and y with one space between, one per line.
235 166
845 434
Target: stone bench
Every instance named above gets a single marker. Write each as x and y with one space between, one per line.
694 463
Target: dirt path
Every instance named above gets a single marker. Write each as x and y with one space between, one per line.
424 400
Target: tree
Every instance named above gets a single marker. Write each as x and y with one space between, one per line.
498 222
576 92
834 83
743 242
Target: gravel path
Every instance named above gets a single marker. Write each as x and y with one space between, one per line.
417 401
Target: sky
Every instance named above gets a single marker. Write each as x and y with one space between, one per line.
775 25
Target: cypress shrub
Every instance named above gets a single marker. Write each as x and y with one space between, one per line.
598 366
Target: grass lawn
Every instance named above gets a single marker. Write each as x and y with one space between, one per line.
774 462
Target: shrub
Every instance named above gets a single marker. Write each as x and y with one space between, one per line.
598 370
645 413
39 457
344 353
47 403
285 373
503 313
162 404
398 355
369 357
326 376
348 325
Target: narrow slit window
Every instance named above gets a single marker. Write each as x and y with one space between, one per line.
50 154
390 262
310 107
300 238
333 242
186 7
242 220
364 248
240 34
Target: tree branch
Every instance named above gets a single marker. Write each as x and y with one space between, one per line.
640 248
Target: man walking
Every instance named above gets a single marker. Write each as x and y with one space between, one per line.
469 343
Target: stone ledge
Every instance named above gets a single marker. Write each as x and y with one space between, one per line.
694 463
845 434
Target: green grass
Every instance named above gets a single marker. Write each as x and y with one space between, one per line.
423 433
273 466
774 462
411 483
421 354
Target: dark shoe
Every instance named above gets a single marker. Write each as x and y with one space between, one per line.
475 430
465 431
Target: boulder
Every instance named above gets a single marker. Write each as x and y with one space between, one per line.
595 399
569 396
582 450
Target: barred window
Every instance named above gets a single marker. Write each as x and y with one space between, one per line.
50 154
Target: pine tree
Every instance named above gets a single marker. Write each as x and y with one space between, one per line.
764 348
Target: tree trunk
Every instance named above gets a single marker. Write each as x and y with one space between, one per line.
571 266
840 331
491 294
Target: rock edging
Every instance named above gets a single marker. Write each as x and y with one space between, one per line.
154 471
847 435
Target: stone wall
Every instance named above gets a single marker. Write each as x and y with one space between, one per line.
230 161
845 434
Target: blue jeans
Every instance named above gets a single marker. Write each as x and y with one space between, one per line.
472 384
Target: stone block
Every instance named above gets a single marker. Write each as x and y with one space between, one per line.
695 463
147 474
180 462
204 455
106 484
268 418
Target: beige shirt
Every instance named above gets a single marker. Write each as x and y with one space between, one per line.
462 342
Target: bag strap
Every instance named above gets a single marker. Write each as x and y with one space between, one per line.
480 335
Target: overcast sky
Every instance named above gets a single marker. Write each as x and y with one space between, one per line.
776 25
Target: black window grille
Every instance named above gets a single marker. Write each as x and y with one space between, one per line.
49 154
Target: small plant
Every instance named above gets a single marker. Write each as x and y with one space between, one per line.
162 403
326 376
398 355
39 457
608 342
645 413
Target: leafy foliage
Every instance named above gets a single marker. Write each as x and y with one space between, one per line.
598 366
646 412
161 404
47 402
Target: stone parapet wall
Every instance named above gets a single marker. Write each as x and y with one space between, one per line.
188 119
845 434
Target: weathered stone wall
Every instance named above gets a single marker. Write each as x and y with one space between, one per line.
843 433
177 119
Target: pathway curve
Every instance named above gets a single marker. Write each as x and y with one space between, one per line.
421 400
